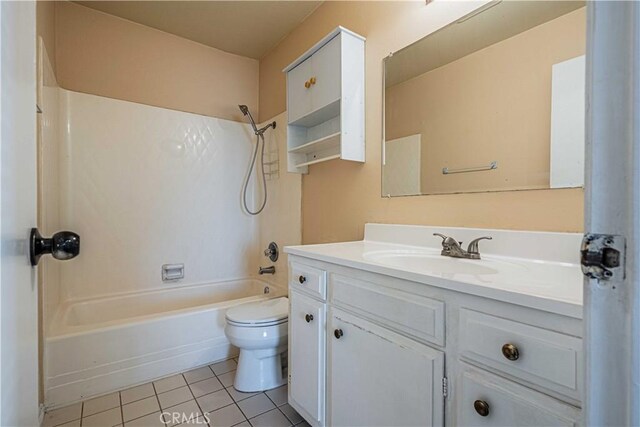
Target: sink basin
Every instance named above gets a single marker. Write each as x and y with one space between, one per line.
437 264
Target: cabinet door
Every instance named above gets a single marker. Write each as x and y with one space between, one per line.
379 378
306 357
299 96
488 400
325 67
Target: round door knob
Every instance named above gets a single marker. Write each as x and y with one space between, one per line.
510 351
481 407
62 246
302 279
308 318
312 80
307 84
338 333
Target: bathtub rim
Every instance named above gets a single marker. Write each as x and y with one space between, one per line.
59 330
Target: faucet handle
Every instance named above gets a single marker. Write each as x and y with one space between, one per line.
442 236
473 245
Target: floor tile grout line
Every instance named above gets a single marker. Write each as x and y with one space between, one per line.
239 408
155 392
261 413
278 407
194 396
138 400
82 415
121 410
236 403
285 416
245 398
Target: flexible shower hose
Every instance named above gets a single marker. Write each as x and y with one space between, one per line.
264 178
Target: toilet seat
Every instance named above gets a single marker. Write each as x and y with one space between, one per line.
260 313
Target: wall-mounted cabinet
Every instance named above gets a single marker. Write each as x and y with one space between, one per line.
325 102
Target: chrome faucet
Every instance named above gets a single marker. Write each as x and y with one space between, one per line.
267 270
451 247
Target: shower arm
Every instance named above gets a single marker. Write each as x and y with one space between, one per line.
262 130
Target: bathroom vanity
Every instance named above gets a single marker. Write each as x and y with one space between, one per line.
389 332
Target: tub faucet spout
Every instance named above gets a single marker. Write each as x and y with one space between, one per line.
267 270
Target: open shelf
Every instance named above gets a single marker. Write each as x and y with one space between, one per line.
320 144
322 159
319 115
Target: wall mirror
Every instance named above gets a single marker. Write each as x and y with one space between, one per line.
492 102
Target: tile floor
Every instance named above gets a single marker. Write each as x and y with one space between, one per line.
183 398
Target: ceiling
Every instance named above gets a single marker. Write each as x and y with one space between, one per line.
247 28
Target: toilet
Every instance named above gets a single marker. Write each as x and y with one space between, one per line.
259 330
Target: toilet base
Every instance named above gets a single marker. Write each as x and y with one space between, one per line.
260 370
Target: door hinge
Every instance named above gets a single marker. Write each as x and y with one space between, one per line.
445 387
602 256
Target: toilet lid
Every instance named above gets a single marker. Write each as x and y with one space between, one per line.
259 312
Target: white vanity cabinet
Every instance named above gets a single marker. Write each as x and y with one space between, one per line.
325 102
379 369
393 352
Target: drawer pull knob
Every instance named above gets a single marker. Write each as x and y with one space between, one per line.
308 318
312 80
307 84
481 407
510 351
302 279
338 333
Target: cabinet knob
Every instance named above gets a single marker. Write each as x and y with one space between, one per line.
302 279
308 318
312 80
481 407
307 84
510 351
338 333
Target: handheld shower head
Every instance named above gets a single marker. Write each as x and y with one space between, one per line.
246 112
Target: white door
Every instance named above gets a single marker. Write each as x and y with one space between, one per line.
379 378
306 361
612 207
18 296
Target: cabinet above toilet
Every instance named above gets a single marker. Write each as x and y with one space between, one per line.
325 102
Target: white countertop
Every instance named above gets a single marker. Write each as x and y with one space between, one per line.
543 284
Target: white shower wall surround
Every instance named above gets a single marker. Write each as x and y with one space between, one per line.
146 186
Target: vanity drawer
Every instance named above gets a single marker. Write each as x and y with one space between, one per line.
420 317
492 401
308 279
546 358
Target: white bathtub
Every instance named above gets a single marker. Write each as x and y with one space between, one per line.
105 344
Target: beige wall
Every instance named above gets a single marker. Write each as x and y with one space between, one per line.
492 105
104 55
340 197
46 27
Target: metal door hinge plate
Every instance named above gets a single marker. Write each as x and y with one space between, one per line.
602 256
445 387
